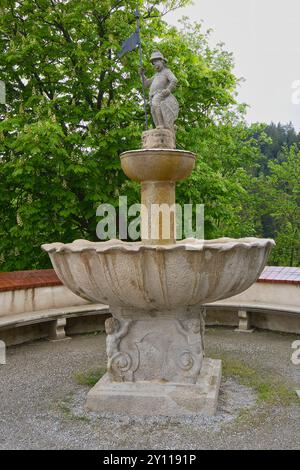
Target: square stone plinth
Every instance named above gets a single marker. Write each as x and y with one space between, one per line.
159 399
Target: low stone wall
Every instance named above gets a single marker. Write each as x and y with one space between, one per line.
276 322
33 291
24 334
37 298
29 291
278 286
270 293
74 326
273 321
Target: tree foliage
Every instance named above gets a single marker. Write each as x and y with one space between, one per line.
278 205
73 107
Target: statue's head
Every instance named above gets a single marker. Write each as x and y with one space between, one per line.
158 61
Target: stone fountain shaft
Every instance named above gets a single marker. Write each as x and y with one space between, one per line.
158 213
157 169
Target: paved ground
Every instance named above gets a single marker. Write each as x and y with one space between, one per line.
41 402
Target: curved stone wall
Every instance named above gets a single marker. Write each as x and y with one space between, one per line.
31 291
278 289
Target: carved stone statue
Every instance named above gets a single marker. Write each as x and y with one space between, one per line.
164 106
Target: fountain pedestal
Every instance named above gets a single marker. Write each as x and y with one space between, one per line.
156 365
159 399
155 340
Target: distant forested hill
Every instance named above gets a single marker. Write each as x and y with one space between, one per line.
275 191
280 136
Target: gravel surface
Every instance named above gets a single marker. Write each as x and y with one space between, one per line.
41 403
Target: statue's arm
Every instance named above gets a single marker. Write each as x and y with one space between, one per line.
172 81
147 81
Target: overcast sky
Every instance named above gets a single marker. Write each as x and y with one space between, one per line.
264 36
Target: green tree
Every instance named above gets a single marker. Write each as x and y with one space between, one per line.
279 136
278 198
73 107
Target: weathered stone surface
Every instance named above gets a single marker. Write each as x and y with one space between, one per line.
29 326
155 294
165 348
13 302
159 139
244 322
158 213
158 169
155 288
164 106
159 398
159 278
157 164
155 338
57 330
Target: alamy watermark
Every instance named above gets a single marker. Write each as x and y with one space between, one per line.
158 221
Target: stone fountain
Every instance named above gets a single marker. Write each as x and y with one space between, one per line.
156 288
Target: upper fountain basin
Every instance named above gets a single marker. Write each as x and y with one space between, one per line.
157 164
159 278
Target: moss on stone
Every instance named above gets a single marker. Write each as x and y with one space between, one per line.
269 388
90 377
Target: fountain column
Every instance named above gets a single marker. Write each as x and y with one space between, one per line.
156 353
158 212
158 168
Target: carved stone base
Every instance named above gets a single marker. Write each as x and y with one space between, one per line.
159 399
156 365
158 346
159 139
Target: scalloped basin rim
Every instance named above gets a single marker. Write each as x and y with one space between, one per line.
189 244
130 275
176 152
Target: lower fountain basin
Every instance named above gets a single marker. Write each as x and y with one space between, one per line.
159 278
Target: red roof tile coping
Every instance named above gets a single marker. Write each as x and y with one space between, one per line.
16 280
280 275
46 278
